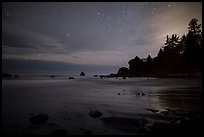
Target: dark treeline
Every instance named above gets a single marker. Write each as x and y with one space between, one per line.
180 56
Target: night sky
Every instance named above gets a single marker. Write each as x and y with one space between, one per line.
92 37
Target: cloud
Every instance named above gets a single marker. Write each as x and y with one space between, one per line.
26 41
39 31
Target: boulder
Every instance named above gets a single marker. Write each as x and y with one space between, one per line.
82 74
87 132
39 119
143 94
59 132
152 110
123 72
71 78
95 113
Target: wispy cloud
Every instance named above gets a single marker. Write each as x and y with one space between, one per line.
91 33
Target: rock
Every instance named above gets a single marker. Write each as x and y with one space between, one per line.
143 94
87 132
95 113
39 119
165 112
59 132
6 75
52 76
71 78
168 109
82 74
124 77
152 110
95 76
112 75
102 76
118 93
138 93
81 128
16 76
123 72
31 114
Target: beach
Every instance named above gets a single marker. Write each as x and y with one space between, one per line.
130 106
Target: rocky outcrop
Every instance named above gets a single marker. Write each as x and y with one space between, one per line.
82 74
123 72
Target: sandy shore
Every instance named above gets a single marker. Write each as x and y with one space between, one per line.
137 106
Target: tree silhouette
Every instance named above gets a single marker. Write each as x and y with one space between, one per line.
193 44
178 55
194 27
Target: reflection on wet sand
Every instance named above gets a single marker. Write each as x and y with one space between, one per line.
93 106
188 99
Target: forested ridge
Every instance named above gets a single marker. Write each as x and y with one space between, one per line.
180 56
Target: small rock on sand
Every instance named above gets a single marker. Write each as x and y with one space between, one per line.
71 78
39 119
95 113
152 110
87 132
165 112
59 132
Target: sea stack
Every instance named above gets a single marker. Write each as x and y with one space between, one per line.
82 74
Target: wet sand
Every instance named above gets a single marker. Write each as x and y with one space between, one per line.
134 106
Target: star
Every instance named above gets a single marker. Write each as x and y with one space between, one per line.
67 34
8 14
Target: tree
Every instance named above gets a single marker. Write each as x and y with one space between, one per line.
193 44
171 42
194 27
149 59
135 65
176 56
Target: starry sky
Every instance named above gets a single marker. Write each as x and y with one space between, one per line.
94 37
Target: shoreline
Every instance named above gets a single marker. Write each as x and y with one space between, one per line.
102 107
